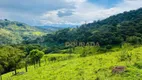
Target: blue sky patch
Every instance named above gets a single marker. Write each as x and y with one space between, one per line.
106 3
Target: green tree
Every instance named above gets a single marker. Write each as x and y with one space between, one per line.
16 57
10 58
36 56
1 71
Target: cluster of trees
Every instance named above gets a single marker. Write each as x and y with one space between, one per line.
124 27
18 56
10 58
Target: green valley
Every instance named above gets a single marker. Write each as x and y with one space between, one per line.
107 49
12 32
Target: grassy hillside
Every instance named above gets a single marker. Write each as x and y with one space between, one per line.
98 66
12 32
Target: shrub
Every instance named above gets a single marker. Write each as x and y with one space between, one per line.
52 59
124 55
108 47
134 39
103 50
84 54
59 57
87 51
138 64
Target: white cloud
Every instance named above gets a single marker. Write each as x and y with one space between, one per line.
74 12
85 11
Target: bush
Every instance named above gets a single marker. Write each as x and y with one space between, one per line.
59 57
87 51
124 55
84 54
134 40
103 50
108 47
52 59
138 64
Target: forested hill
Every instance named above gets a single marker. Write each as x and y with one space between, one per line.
12 32
133 15
124 27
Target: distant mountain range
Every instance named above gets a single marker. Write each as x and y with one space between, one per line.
49 29
56 27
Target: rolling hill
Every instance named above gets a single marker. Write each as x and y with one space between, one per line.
13 32
117 29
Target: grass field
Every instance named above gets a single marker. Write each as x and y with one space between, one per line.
93 67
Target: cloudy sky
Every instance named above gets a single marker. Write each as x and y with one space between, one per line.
60 12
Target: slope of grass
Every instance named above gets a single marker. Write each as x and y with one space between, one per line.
96 67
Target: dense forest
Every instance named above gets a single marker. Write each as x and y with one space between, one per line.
117 29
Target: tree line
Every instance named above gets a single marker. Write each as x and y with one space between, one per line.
18 56
115 30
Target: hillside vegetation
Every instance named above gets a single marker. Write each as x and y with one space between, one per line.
117 29
115 55
96 67
12 32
